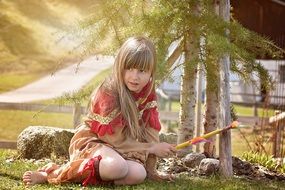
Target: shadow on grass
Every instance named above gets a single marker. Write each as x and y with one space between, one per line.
10 176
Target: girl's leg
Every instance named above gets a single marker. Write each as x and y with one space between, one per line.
115 168
39 176
136 174
112 165
36 177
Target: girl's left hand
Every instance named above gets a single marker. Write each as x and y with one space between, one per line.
155 176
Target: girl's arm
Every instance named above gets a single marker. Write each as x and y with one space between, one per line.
152 135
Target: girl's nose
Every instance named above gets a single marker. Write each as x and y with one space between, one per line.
135 73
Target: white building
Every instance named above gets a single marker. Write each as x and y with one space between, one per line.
242 92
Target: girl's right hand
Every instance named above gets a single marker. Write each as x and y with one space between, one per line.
163 149
48 168
155 176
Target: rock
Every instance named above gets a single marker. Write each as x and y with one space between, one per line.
193 160
209 166
168 137
44 142
241 167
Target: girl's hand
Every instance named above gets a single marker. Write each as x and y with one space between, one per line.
50 167
155 176
163 149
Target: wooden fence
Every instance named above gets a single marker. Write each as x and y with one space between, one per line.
77 110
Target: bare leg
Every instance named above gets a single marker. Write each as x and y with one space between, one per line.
136 174
35 177
112 166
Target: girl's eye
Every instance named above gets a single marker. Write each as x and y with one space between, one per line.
142 71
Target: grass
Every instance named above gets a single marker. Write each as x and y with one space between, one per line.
240 110
13 122
239 145
11 171
249 111
10 81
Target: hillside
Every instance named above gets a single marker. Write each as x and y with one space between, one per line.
35 35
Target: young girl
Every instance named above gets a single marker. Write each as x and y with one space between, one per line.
118 142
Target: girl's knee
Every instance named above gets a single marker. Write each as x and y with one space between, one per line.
113 168
136 178
136 174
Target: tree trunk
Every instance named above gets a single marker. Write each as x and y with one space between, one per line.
199 103
225 152
212 105
188 86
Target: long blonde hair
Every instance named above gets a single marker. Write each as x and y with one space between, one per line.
139 53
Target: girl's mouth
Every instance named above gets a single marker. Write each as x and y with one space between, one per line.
134 83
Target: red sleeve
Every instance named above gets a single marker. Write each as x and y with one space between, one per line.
104 114
150 113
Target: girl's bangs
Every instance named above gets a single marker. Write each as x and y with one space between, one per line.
141 60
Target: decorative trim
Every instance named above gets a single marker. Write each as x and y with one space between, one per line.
149 105
104 120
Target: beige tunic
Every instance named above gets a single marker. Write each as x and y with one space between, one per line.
85 143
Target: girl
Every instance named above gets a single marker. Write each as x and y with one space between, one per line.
118 142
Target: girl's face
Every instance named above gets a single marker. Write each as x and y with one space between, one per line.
136 79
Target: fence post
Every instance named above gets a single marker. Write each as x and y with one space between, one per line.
76 114
276 150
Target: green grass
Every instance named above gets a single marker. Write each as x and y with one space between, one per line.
239 145
240 110
10 81
13 122
249 111
12 169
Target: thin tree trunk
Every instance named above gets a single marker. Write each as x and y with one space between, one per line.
188 85
199 104
212 105
225 152
210 123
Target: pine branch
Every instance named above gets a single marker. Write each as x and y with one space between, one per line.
175 55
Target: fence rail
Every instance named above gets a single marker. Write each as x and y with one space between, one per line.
78 110
8 144
38 107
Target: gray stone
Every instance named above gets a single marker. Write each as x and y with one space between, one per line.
241 167
209 166
193 160
44 142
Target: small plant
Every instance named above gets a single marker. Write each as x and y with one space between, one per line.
233 113
265 160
